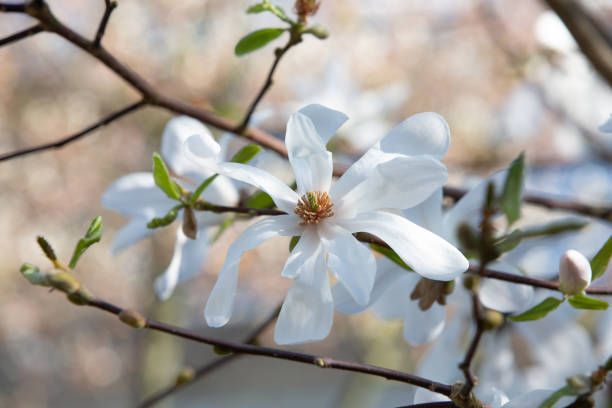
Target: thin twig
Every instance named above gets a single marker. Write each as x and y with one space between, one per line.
12 8
206 206
439 404
109 7
470 378
59 143
322 362
211 366
28 32
279 52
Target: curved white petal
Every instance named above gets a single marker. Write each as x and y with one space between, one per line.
304 250
188 257
219 305
308 309
130 233
351 261
469 208
505 297
428 254
428 214
399 183
425 133
422 326
136 194
311 162
176 132
359 171
202 149
325 120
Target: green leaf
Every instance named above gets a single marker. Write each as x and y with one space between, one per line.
294 241
246 154
392 255
93 235
581 301
272 8
510 241
260 200
513 188
166 219
600 261
256 40
257 8
162 178
538 311
196 194
556 396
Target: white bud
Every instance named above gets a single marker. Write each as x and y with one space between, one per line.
574 272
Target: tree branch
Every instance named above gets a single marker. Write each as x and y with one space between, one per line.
322 362
440 404
59 143
109 7
211 366
28 32
12 8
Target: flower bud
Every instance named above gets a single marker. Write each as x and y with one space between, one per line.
132 318
63 281
186 375
492 319
190 224
574 273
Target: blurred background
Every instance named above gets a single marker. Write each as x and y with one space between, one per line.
507 76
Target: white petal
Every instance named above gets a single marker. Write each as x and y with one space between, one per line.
325 120
202 149
308 309
423 133
428 254
304 250
399 183
129 234
222 191
188 257
219 305
359 171
351 261
387 273
422 326
311 162
428 214
136 194
469 208
505 297
176 132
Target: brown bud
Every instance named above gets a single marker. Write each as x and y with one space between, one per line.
132 318
46 248
190 224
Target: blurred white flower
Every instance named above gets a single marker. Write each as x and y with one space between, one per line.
136 196
574 272
424 321
400 171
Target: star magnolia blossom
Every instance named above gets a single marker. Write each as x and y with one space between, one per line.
400 171
389 300
136 196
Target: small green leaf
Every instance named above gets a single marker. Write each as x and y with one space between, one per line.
260 200
256 40
581 301
93 235
513 189
272 8
600 261
166 219
257 8
246 154
294 241
538 311
196 194
556 396
510 241
162 178
389 253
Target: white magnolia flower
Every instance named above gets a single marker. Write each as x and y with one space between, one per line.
400 171
136 196
423 317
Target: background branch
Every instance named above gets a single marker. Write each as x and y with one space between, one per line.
109 7
28 32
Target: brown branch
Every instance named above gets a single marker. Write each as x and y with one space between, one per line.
590 38
28 32
211 366
59 143
42 13
322 362
439 404
201 205
109 7
470 378
295 38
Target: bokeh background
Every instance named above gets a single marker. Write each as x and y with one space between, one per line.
506 75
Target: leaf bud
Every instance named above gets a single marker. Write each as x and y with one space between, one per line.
222 351
467 237
318 31
186 375
46 248
574 273
63 281
190 224
579 383
132 318
81 297
471 282
33 275
492 319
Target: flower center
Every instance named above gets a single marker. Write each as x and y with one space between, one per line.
314 206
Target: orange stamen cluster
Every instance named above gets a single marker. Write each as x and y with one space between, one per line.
314 206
